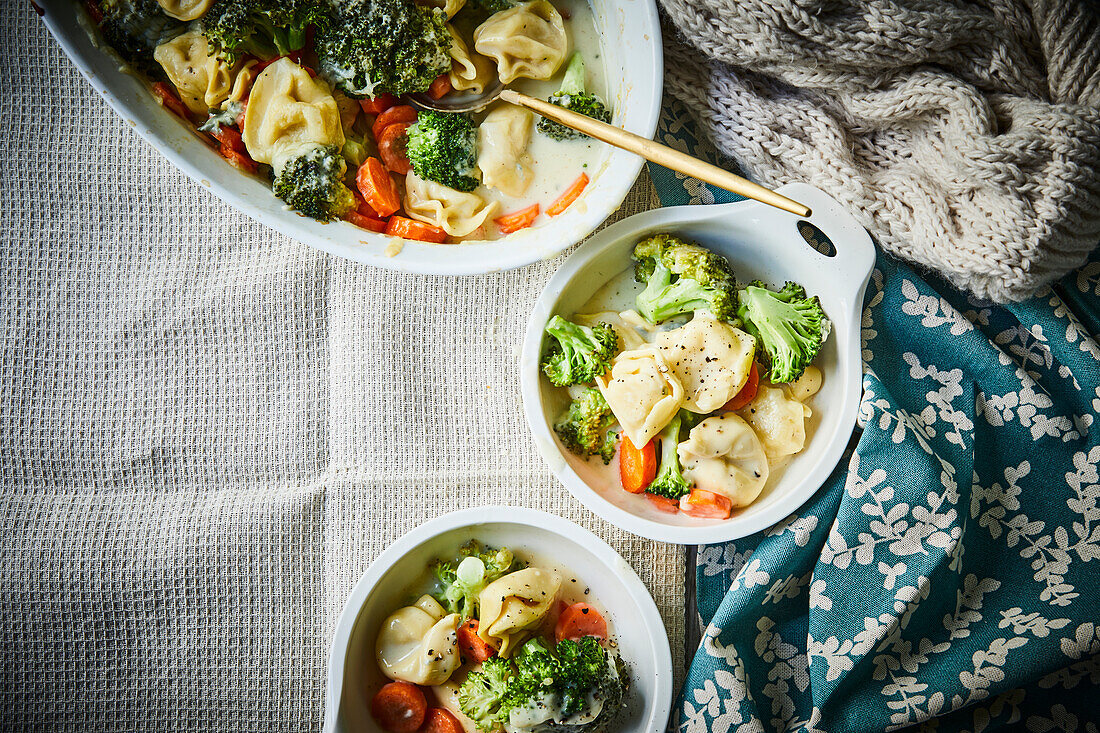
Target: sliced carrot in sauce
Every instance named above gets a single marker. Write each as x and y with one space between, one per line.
561 203
637 466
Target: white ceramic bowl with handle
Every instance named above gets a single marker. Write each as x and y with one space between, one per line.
761 242
633 62
353 674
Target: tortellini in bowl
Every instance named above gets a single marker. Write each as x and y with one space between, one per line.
747 457
396 625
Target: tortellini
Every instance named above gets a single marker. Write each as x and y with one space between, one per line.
457 212
807 385
723 455
710 358
470 71
527 40
288 112
416 645
642 391
513 605
202 79
779 420
502 139
185 9
242 81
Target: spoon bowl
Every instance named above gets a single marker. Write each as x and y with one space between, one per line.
457 102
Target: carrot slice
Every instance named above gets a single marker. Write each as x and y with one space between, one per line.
393 115
705 504
561 203
440 87
439 720
517 220
229 137
366 209
392 147
637 466
378 189
473 647
578 621
399 707
399 226
378 105
747 393
365 222
169 99
663 503
239 160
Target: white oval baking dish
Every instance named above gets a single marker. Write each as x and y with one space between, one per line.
633 61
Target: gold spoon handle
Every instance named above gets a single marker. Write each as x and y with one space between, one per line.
657 153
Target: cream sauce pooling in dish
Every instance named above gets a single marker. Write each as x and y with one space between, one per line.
555 164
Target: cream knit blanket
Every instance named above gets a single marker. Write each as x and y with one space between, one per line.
964 136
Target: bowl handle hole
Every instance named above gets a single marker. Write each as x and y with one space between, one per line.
816 238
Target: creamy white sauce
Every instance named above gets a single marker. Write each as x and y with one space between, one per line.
557 163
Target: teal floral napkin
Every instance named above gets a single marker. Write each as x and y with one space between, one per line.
948 572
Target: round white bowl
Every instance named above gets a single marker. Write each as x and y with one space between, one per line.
760 242
353 675
633 61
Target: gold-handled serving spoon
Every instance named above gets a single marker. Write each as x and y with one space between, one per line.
616 136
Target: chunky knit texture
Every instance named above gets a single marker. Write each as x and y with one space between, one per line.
964 136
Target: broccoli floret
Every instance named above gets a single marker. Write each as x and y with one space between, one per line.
584 426
566 683
578 354
588 673
572 96
376 46
681 277
583 666
536 669
263 28
670 480
462 580
442 147
313 184
789 326
482 697
134 29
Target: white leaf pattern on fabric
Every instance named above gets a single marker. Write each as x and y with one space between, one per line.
985 391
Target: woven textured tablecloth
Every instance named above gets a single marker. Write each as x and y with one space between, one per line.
208 431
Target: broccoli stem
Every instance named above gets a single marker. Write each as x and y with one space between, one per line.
670 459
670 476
573 82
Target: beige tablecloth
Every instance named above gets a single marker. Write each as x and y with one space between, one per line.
207 430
